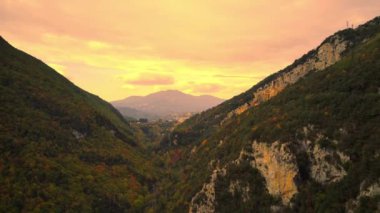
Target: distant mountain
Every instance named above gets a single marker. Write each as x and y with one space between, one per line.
165 104
305 139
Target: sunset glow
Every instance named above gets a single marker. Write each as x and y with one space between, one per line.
120 48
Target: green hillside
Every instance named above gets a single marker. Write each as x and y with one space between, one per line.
342 103
194 129
312 147
62 148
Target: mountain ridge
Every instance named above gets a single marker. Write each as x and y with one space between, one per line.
163 92
167 104
60 144
246 128
275 82
305 139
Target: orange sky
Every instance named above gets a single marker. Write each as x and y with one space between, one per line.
119 48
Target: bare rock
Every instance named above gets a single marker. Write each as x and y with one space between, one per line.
278 166
324 168
326 55
204 201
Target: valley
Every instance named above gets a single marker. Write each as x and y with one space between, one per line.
304 139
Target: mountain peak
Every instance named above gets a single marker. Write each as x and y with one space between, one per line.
167 103
171 91
168 92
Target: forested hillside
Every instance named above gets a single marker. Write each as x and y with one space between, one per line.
63 149
313 146
305 139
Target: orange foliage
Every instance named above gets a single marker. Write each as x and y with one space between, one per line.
125 152
100 168
175 156
274 118
133 183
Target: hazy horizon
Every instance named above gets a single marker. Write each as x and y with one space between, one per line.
164 91
120 49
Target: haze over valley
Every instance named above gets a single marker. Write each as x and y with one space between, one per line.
191 106
170 104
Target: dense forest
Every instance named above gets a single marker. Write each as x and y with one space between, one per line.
63 149
344 96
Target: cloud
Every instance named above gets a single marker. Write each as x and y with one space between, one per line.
239 76
97 45
206 88
224 48
149 79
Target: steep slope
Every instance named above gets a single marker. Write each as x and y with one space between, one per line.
313 147
329 52
131 113
167 104
63 149
316 145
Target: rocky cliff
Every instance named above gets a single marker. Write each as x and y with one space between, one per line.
369 192
302 140
327 54
204 201
278 166
277 163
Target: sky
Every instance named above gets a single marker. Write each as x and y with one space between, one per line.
120 48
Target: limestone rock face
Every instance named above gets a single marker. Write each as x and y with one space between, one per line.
325 163
277 163
324 167
204 200
370 191
78 135
278 166
324 56
237 187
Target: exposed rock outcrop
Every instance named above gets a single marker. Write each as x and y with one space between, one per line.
237 187
277 163
279 168
204 201
371 191
324 166
325 163
301 162
78 135
324 56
